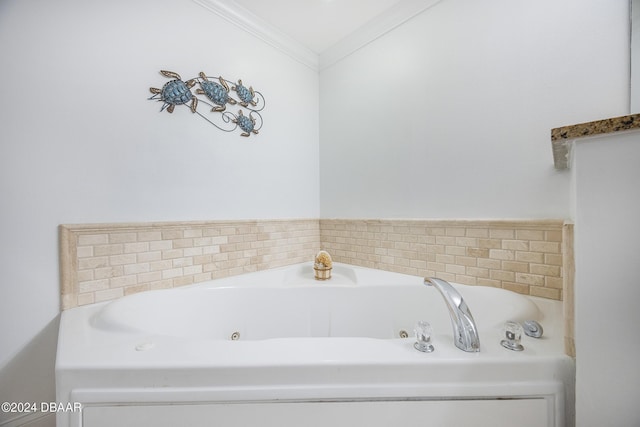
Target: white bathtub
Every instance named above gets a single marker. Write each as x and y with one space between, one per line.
272 347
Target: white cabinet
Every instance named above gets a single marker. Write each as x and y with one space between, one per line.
531 412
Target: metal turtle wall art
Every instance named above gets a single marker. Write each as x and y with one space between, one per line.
216 93
175 92
246 95
247 124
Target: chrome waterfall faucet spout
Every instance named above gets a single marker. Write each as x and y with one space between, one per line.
465 331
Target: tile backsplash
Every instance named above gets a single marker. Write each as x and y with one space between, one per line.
101 262
524 256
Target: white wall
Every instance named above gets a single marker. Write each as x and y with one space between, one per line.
80 143
607 290
449 115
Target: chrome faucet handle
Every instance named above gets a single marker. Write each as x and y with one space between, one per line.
513 336
423 333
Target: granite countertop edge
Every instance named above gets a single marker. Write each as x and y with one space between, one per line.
562 136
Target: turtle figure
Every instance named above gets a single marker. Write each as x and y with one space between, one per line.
175 92
247 124
218 93
245 95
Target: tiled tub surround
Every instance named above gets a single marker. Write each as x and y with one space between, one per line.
101 262
522 256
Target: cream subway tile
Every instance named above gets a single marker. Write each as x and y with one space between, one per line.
436 249
160 245
182 262
502 275
93 263
148 236
553 235
102 250
545 270
502 254
446 259
182 243
553 282
192 270
466 261
498 233
455 231
515 266
455 250
553 259
172 254
520 288
535 257
530 279
136 247
161 284
530 234
466 280
455 269
202 277
93 239
537 291
478 272
182 281
93 285
85 299
467 241
549 247
151 276
477 232
190 252
108 272
84 251
135 289
489 282
436 266
204 241
149 256
109 294
208 250
436 231
136 268
172 234
85 275
193 233
160 265
122 259
494 264
490 243
118 282
516 245
210 231
171 273
478 252
123 237
446 240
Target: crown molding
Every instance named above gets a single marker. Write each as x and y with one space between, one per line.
374 29
379 26
254 25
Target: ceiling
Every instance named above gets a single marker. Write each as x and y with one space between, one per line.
317 33
317 24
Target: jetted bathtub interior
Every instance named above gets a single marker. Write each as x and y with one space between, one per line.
279 348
